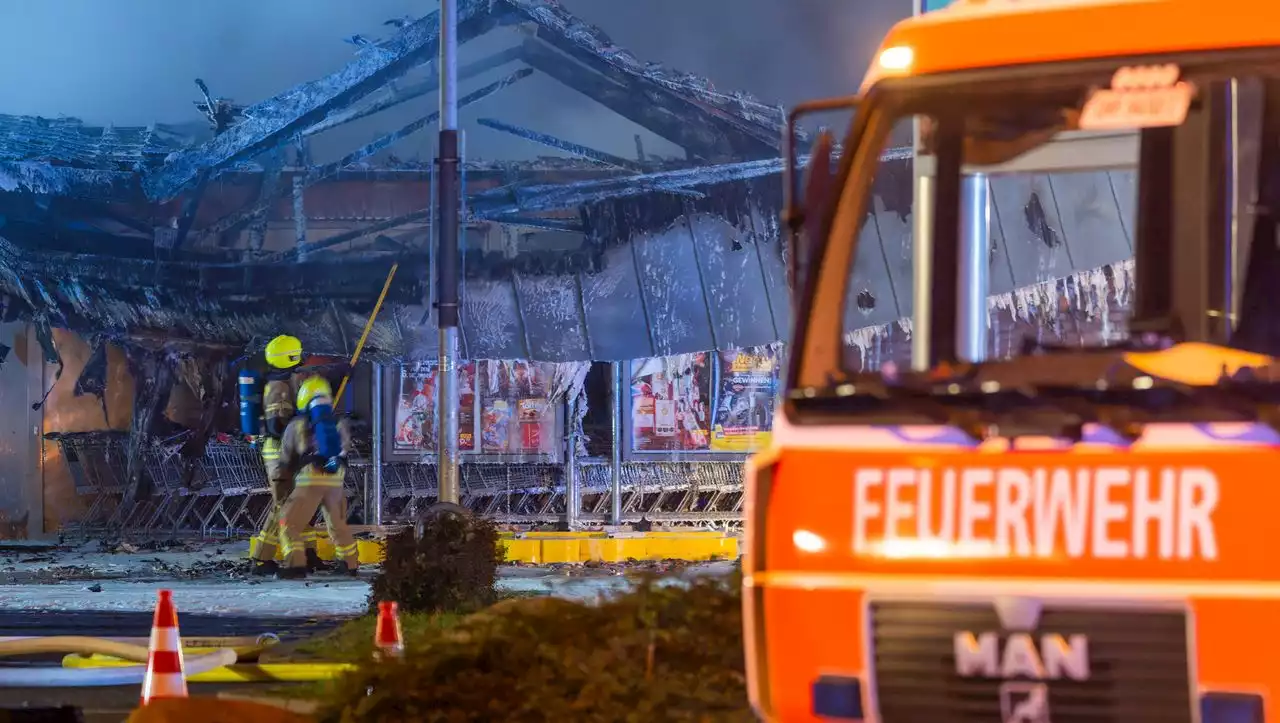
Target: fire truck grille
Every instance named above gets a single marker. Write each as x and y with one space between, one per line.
1138 666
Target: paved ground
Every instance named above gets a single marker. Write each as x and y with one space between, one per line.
100 590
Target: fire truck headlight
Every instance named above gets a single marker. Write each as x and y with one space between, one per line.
807 541
897 59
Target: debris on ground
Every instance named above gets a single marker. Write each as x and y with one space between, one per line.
658 652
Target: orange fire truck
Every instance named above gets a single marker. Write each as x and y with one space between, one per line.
1077 533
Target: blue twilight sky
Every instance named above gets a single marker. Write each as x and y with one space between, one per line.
133 62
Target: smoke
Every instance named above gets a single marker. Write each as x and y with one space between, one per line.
133 62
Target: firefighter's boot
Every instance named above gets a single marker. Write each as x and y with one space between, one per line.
292 573
264 568
314 563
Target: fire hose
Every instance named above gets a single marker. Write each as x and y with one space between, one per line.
47 677
105 661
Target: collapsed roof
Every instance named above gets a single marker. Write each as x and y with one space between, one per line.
110 230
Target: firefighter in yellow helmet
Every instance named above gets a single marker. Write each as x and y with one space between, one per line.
283 354
313 455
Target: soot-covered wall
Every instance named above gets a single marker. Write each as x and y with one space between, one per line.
65 411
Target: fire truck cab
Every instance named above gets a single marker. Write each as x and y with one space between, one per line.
1053 533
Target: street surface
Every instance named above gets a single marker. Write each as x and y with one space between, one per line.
101 590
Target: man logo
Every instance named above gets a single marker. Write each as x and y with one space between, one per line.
1024 703
1020 655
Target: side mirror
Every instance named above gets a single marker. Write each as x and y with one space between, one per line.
804 215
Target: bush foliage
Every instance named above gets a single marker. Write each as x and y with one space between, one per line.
657 653
449 566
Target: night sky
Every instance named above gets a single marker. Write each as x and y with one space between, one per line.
132 62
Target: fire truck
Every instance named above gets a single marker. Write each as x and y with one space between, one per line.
1073 532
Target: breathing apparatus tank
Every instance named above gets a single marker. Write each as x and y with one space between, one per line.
315 399
250 402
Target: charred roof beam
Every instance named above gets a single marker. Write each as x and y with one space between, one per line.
417 90
551 141
707 133
274 122
538 222
627 100
357 234
319 173
43 179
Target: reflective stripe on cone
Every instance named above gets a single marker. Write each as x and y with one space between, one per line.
164 677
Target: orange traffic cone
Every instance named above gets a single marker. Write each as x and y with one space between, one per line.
388 639
165 678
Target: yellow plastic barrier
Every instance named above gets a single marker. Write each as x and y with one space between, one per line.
544 548
239 673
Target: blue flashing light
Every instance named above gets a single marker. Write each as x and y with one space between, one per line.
1230 708
837 697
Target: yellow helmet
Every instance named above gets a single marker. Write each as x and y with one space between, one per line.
284 352
312 389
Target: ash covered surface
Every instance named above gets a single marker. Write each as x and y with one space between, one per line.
211 578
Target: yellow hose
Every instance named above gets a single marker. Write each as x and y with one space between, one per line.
252 673
114 649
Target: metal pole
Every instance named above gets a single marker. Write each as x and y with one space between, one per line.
299 217
615 425
572 498
447 268
975 264
373 498
922 260
1234 267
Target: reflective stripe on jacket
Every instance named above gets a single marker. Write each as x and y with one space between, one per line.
312 476
270 449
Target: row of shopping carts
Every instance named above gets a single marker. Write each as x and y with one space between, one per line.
224 491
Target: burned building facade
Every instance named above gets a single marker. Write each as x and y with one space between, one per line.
155 259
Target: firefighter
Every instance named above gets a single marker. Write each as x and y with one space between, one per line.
283 354
313 453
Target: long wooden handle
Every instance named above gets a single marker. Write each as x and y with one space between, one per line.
364 336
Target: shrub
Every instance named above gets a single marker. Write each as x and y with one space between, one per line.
660 652
450 566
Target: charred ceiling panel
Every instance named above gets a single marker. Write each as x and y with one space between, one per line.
491 321
1124 187
1090 219
674 294
1031 228
551 309
891 220
1000 274
769 251
617 320
735 283
870 299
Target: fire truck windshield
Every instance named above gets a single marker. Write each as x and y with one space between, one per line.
1062 151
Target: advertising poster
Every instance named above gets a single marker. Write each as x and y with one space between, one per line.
669 404
415 420
516 417
744 399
